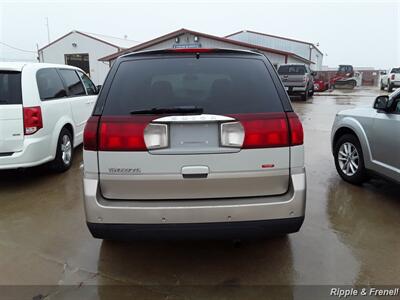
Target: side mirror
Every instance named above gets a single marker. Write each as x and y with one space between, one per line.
98 89
381 103
314 73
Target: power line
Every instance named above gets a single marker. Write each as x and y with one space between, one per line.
19 49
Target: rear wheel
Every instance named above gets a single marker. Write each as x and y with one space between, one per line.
382 86
349 159
64 154
311 92
304 96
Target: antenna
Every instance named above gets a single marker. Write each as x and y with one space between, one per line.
48 29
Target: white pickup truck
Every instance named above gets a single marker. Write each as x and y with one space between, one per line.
390 80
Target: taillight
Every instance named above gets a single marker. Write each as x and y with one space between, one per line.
296 129
264 130
123 133
32 119
156 136
90 134
232 134
393 77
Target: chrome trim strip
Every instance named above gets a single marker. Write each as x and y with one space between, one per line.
194 118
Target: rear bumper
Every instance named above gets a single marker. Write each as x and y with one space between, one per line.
295 88
395 83
133 216
35 152
187 231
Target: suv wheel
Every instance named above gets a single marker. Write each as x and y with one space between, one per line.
305 95
349 159
382 86
390 87
311 93
65 151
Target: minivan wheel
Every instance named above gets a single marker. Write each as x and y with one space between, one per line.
65 151
349 159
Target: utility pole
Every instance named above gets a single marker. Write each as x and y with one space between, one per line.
48 29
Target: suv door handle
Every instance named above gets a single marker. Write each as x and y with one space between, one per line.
195 172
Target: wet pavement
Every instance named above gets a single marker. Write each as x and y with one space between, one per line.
350 235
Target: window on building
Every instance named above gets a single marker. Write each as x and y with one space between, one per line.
50 84
73 83
80 61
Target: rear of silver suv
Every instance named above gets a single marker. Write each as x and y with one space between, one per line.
193 142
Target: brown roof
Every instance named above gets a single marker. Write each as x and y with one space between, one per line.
274 36
183 30
92 36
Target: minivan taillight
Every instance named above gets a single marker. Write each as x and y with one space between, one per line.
296 129
32 119
124 133
264 130
90 134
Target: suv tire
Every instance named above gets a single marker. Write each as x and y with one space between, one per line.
390 87
349 159
65 151
305 95
382 87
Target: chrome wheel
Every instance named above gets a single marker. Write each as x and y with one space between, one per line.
348 159
66 149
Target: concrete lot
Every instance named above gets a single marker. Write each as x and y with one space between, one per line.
350 236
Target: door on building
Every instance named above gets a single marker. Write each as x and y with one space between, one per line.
78 60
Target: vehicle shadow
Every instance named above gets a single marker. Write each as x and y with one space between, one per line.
196 270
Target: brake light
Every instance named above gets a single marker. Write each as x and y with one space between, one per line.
192 50
123 133
393 77
32 119
296 129
90 134
264 130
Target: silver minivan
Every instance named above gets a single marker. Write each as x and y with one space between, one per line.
193 142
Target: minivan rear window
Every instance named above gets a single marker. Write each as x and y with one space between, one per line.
10 87
218 85
291 70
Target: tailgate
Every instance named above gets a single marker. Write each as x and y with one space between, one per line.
11 116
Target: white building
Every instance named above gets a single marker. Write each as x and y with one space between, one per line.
306 50
189 38
83 50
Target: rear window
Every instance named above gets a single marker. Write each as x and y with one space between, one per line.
10 88
217 85
291 70
396 70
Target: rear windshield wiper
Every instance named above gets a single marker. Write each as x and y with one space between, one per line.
169 110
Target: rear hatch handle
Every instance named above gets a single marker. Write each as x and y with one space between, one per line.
195 171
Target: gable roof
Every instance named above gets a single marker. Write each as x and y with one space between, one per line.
274 36
105 39
183 31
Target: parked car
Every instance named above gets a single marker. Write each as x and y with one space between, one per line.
298 79
390 80
194 142
366 141
43 111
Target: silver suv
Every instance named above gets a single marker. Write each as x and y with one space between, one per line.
193 142
298 79
366 140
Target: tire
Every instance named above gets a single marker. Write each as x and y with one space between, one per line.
349 168
382 86
390 87
305 95
64 153
311 93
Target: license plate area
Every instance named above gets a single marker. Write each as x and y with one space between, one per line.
194 138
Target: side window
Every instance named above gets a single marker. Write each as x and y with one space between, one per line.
50 85
71 80
90 87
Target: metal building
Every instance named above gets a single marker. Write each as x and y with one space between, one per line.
83 50
303 49
185 38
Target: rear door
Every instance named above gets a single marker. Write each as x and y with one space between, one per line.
11 116
194 161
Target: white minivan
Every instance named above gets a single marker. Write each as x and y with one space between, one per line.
43 111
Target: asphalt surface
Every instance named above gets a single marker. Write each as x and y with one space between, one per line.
350 236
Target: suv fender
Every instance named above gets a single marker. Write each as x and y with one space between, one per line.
355 126
56 132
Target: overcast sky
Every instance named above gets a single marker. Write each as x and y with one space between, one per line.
361 33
